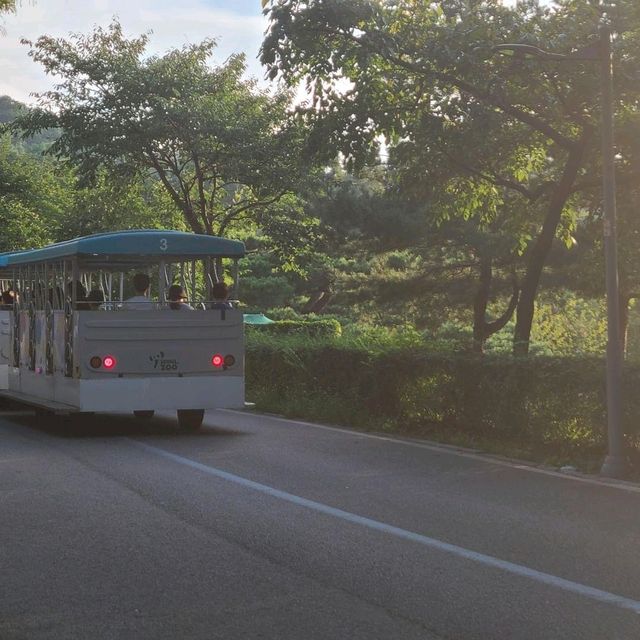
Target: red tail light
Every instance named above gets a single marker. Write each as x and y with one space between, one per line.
109 362
217 360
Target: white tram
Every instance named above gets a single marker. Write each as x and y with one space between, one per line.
71 356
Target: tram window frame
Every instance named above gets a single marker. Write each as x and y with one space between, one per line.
53 284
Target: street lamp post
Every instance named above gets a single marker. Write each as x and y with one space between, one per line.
614 464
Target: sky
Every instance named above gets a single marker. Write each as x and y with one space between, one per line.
236 25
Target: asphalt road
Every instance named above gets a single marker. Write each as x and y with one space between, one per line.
264 528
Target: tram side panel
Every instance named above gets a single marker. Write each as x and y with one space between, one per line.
39 384
20 362
40 339
29 377
6 321
40 373
58 338
153 360
24 321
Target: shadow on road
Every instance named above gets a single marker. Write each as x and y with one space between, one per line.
107 425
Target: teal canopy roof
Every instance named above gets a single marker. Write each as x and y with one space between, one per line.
256 318
126 245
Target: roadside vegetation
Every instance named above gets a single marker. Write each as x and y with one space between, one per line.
546 409
425 229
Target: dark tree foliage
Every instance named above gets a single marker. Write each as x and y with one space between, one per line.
33 197
492 137
36 144
9 109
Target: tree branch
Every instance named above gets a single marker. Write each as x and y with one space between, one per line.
466 87
531 194
232 215
183 205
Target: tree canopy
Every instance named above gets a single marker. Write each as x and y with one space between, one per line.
33 196
223 150
481 134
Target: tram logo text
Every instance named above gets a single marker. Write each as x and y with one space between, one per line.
163 364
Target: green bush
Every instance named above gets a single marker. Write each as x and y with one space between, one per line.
540 407
328 328
283 313
400 260
264 291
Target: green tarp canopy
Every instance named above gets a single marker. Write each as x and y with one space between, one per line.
256 318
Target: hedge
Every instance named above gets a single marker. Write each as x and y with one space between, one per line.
554 407
328 328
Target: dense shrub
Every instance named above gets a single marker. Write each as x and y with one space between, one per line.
328 328
538 407
263 291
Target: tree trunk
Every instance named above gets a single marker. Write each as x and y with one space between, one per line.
540 250
480 305
318 302
482 330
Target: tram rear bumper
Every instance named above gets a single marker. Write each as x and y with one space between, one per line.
131 394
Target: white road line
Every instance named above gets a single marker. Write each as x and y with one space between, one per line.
451 450
509 567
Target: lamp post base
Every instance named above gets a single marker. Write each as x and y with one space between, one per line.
614 467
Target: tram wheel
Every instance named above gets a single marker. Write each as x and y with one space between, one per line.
144 415
190 419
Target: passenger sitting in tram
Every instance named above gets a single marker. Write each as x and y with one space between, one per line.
95 298
141 301
177 297
81 292
8 297
220 293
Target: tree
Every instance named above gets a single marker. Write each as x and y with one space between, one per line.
37 144
9 109
223 150
113 205
487 129
34 195
386 254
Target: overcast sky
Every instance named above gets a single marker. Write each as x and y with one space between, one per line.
237 25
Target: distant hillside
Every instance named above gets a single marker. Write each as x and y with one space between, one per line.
9 110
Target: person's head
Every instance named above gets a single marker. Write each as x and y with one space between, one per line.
220 291
176 293
7 297
141 283
95 298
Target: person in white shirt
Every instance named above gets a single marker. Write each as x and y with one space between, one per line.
177 299
139 302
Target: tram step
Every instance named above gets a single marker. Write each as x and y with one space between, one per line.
42 403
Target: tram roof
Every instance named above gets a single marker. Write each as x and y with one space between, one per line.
131 246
